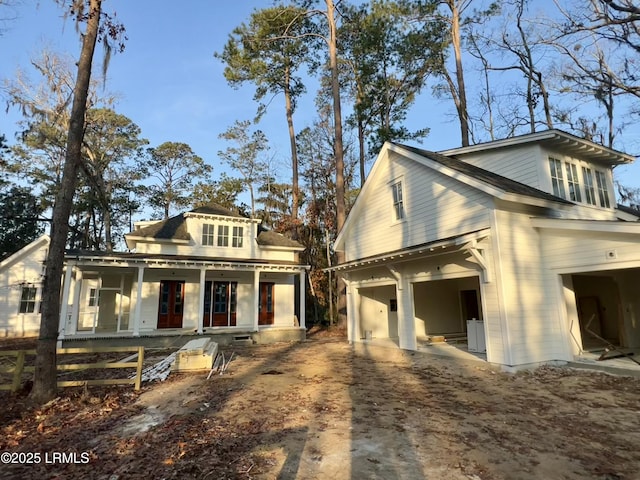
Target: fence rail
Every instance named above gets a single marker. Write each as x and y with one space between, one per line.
20 357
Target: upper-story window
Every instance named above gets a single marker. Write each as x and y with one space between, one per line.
574 182
589 192
207 234
236 240
557 180
398 203
28 300
603 193
223 235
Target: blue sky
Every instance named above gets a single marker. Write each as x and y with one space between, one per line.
171 85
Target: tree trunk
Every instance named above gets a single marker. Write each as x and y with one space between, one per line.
294 156
462 95
339 151
45 378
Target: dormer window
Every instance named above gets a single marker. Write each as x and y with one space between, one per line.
236 240
398 203
574 183
557 180
223 235
589 192
207 234
603 193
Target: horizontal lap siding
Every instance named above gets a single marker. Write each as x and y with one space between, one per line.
521 164
530 293
436 207
576 251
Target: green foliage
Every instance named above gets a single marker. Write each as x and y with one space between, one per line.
19 220
223 192
175 169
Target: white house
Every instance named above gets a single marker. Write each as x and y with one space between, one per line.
521 235
205 271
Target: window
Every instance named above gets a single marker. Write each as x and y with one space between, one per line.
603 193
557 180
589 193
574 182
28 300
207 234
398 204
236 240
93 297
223 235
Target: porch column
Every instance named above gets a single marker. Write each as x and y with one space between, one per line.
75 318
352 312
406 321
203 274
136 315
303 297
66 286
256 299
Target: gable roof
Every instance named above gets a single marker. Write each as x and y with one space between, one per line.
41 240
505 184
556 140
490 183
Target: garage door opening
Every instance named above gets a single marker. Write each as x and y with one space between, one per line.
599 312
451 310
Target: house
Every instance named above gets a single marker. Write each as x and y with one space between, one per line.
515 244
209 271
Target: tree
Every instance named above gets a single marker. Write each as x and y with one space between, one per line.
223 192
268 52
19 222
110 140
176 170
391 48
45 377
244 157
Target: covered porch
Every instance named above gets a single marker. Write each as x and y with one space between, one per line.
127 295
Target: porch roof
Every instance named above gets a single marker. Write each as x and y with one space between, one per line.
443 245
129 259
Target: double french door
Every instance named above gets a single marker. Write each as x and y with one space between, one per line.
171 305
220 303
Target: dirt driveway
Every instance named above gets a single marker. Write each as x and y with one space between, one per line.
325 410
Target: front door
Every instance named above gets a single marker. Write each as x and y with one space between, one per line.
266 305
221 312
171 306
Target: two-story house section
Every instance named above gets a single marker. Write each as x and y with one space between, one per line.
208 270
515 245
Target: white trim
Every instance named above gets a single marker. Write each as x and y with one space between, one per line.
605 226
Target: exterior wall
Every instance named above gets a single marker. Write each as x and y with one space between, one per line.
435 206
374 312
531 295
26 268
521 163
249 250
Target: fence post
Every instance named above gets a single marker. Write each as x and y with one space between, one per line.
17 373
139 368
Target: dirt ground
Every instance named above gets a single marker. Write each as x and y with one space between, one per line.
323 409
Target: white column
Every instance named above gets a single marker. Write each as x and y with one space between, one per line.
302 292
256 299
72 325
406 320
203 274
352 313
136 315
66 286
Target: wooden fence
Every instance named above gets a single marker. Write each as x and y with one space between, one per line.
19 368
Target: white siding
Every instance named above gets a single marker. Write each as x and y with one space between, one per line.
520 164
531 294
25 268
436 207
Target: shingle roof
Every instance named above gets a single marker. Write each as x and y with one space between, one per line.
174 228
273 239
503 183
